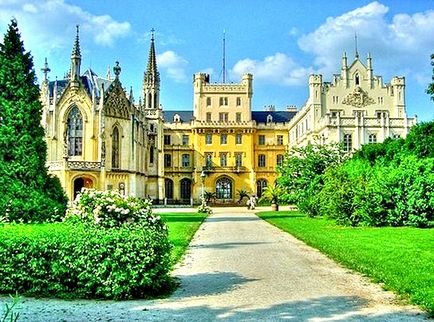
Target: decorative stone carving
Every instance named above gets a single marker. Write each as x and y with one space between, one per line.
117 104
358 98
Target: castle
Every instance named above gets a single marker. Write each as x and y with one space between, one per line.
98 137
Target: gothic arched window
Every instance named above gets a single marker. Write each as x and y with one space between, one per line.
185 189
357 80
224 188
75 132
115 148
260 185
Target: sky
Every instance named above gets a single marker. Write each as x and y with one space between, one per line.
280 41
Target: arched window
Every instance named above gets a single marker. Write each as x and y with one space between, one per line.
168 188
357 79
115 148
260 185
372 138
75 132
185 189
348 142
269 118
224 188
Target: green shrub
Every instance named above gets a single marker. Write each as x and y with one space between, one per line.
412 185
86 261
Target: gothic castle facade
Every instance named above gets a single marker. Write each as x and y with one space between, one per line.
98 137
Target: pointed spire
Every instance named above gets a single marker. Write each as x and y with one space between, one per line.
224 57
344 61
108 76
76 58
355 42
152 76
46 70
76 48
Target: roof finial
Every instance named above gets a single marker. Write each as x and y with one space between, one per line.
46 70
152 34
355 41
117 70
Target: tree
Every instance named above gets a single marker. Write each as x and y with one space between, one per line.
241 195
29 192
301 173
430 89
272 194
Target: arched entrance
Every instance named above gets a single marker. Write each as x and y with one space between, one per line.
185 190
81 182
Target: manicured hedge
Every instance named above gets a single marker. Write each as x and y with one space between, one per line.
84 261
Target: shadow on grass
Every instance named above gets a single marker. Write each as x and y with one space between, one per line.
289 216
181 218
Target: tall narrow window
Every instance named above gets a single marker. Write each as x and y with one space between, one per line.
260 185
185 139
224 138
208 101
151 155
238 159
167 160
208 116
167 139
168 188
279 159
261 140
115 148
223 159
238 117
357 79
208 138
186 160
261 160
75 132
348 142
208 160
238 101
238 138
185 189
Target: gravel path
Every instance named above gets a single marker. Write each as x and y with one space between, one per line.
240 268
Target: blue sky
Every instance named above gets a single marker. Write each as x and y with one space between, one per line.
280 41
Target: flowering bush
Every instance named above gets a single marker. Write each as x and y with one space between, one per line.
111 209
204 209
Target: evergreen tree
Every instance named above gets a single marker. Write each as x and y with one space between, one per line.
28 190
430 89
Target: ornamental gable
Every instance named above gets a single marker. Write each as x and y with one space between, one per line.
116 103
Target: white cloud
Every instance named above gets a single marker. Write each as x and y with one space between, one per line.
400 45
174 65
49 24
278 69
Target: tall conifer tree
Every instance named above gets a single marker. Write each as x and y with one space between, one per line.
28 191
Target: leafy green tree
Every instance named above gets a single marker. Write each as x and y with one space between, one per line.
301 174
430 89
28 191
242 194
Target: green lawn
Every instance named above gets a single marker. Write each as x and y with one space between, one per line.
401 258
182 227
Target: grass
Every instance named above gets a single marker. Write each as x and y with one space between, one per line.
182 227
400 258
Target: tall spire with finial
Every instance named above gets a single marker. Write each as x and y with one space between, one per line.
151 83
76 58
355 42
46 70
